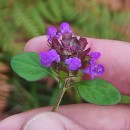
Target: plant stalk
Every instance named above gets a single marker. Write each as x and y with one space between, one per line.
59 97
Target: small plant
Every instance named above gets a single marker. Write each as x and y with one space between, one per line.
68 60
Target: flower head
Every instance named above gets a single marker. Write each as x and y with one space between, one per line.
74 63
65 28
48 57
70 53
51 33
94 70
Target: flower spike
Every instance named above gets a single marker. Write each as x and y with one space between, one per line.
69 51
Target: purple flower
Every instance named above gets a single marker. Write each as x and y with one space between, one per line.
48 57
74 63
65 28
94 55
51 32
94 70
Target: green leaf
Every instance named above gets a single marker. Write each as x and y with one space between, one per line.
98 91
27 65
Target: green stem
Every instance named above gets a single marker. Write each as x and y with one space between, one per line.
125 99
60 95
71 87
62 90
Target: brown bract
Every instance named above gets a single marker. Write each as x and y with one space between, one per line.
68 46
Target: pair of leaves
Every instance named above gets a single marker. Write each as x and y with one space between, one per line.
98 91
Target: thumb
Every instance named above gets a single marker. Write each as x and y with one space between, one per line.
51 121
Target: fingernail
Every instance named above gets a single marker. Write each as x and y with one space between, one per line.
36 123
51 121
44 121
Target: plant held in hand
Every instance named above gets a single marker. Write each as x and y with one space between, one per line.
67 60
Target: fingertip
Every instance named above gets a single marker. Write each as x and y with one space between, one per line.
37 44
51 121
6 124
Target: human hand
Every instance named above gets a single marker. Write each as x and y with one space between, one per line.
115 58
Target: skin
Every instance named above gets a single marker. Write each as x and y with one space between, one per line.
115 58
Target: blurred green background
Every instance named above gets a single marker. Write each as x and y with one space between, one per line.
21 20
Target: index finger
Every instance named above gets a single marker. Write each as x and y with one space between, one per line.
115 56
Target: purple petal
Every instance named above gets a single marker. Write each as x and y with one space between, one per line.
73 67
95 55
58 59
87 71
92 75
48 57
48 64
92 62
74 63
99 70
65 28
68 61
51 32
94 70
